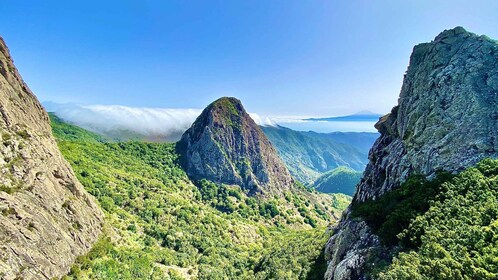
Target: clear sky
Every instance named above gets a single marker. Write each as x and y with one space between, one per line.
279 57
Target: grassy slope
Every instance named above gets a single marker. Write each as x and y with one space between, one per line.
160 226
338 180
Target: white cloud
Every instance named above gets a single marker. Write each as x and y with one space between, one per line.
151 123
263 121
167 124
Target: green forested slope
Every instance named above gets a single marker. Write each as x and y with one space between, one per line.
446 228
159 225
309 154
66 132
338 180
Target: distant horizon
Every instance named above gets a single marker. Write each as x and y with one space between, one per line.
302 117
174 121
321 59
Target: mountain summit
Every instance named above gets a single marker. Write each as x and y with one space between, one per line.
225 145
446 120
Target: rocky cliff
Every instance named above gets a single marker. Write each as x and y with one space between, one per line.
47 217
446 119
225 145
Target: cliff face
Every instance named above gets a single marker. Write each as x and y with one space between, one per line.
225 145
446 119
47 217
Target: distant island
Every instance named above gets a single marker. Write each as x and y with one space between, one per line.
363 116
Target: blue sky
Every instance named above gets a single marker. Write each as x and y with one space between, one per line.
279 57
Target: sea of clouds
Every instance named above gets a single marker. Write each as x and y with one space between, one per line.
161 124
168 124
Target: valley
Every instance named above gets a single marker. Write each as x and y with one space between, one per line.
308 155
158 221
138 191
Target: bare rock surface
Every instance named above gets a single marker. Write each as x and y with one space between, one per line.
47 219
446 119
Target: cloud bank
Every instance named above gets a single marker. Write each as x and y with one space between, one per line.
167 124
264 121
123 122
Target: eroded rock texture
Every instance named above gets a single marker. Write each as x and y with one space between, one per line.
225 145
446 119
47 219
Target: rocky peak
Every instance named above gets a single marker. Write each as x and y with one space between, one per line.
47 219
225 145
447 114
446 119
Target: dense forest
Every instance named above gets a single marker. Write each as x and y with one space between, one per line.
160 223
338 180
309 155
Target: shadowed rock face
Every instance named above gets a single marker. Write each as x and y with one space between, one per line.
47 217
446 119
225 145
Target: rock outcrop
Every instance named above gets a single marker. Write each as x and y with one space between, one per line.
224 145
47 219
446 119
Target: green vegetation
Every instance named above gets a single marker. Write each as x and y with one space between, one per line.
340 201
66 132
159 225
229 104
287 258
228 112
393 212
308 155
449 230
339 180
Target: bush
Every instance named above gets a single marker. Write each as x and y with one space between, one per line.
448 227
391 213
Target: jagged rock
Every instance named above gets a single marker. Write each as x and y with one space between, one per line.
446 119
47 217
225 145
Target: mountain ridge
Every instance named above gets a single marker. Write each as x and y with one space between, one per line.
48 219
338 180
309 154
160 223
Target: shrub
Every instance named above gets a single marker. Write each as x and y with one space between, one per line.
391 213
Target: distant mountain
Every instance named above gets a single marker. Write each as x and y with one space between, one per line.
363 116
339 180
309 154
